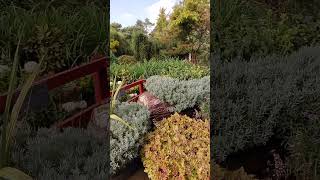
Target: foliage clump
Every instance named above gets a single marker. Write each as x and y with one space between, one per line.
264 97
178 149
181 94
126 59
50 39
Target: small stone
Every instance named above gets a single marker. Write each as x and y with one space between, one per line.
69 106
31 66
82 104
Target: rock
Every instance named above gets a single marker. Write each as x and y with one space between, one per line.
69 106
101 116
158 109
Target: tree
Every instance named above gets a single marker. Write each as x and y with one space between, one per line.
119 45
140 46
161 29
147 25
190 22
116 26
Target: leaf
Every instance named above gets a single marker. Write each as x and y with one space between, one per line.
13 79
17 106
117 118
9 173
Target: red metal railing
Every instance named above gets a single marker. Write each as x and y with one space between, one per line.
97 68
134 84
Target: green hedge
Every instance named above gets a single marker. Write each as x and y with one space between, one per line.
170 67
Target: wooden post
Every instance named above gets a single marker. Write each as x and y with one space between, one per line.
141 88
100 84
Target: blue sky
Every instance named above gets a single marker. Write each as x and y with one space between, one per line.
127 12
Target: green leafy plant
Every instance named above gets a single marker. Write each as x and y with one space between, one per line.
179 148
50 38
126 59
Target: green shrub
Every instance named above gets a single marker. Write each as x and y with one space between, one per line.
126 59
113 58
181 94
248 29
253 99
166 67
178 149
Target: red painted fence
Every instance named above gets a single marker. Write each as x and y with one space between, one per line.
98 69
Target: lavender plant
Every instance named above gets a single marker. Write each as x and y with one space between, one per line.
73 154
181 94
255 100
124 142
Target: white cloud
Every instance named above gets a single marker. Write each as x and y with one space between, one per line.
153 10
127 15
125 19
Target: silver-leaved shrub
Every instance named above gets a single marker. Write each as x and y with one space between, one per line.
125 143
181 94
72 154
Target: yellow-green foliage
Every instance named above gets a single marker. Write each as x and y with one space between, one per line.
178 149
126 59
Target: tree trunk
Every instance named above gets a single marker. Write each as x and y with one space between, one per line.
194 58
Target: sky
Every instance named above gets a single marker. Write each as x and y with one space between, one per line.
127 12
